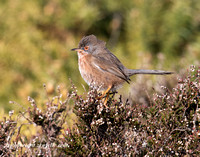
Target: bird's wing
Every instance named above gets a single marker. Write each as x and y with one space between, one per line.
109 63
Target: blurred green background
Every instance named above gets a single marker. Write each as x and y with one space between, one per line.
36 37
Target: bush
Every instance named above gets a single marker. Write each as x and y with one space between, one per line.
168 126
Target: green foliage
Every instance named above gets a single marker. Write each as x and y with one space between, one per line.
168 126
36 38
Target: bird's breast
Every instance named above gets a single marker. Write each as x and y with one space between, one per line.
94 75
84 62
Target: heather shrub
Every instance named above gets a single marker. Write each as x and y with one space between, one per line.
167 126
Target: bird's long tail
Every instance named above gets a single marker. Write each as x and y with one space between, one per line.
131 72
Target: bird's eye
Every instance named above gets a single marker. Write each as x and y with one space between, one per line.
86 48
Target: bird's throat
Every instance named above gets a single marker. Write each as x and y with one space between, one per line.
82 54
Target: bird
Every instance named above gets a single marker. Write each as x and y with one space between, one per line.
101 69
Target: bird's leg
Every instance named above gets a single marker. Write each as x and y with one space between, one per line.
106 92
106 99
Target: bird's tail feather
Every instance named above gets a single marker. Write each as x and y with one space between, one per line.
131 72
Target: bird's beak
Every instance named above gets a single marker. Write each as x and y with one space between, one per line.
76 49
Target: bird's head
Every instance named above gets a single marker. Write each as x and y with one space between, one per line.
90 44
